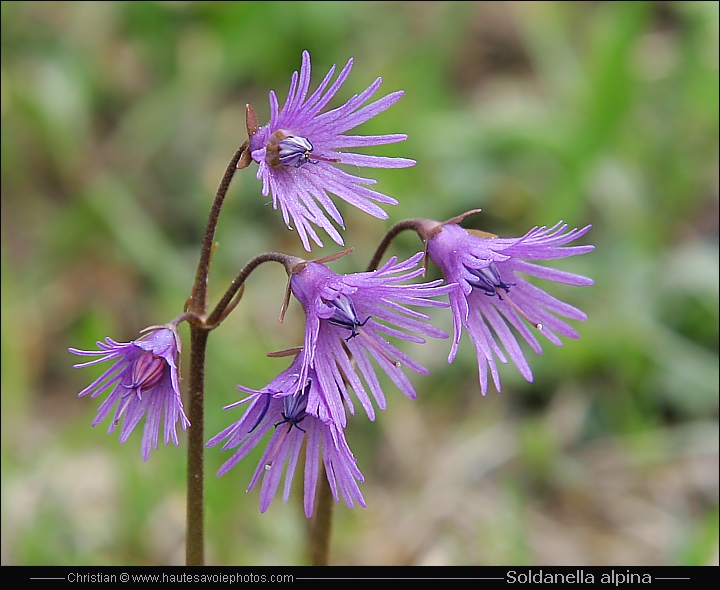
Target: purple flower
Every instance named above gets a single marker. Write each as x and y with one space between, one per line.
346 318
143 379
298 149
282 408
490 295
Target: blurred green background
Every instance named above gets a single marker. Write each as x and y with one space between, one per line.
118 119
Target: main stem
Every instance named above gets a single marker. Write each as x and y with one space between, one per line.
195 535
198 299
195 544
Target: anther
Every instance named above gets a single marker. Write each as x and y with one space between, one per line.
489 281
292 150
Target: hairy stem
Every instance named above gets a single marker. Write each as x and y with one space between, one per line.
195 541
218 314
387 240
198 299
197 304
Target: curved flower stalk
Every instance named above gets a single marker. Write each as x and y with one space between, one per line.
143 381
297 153
282 407
490 296
347 317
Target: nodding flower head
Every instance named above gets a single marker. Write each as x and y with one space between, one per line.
297 152
282 409
490 296
142 381
347 319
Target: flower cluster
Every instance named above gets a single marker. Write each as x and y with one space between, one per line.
346 316
350 319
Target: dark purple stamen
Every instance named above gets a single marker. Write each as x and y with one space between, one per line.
345 316
295 151
488 280
295 406
490 283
